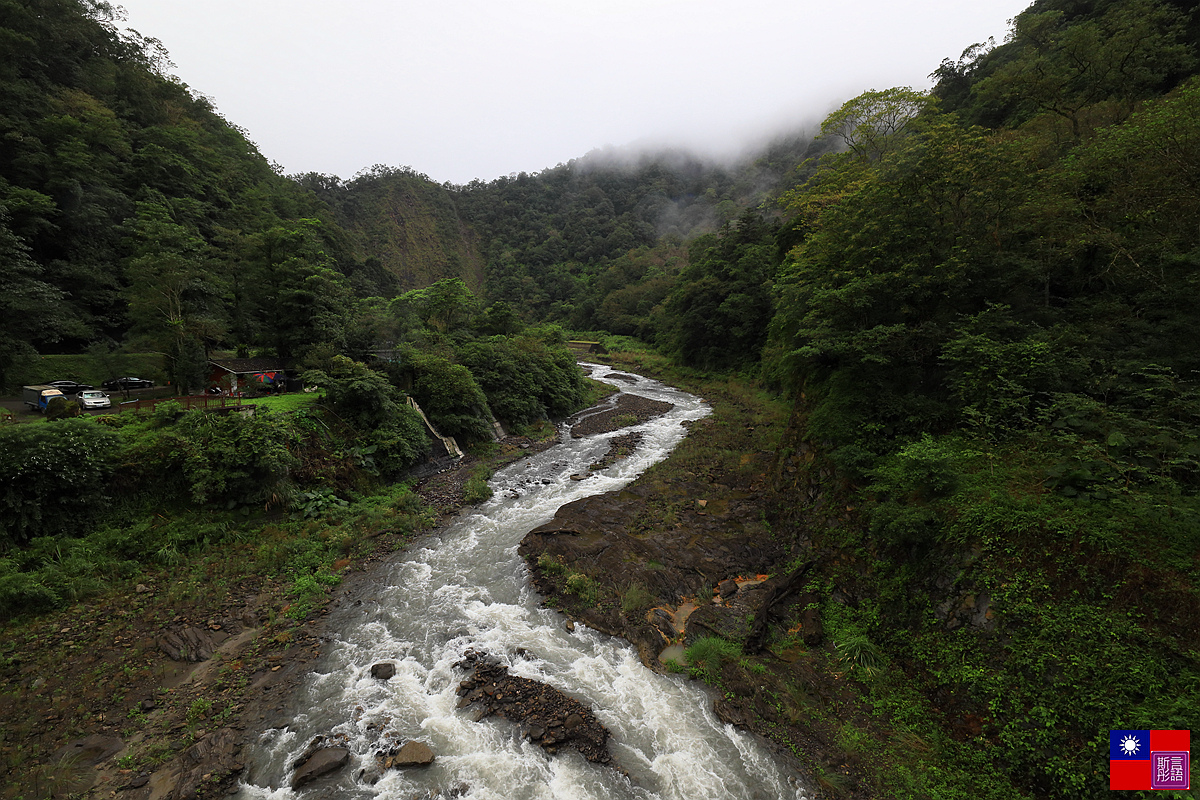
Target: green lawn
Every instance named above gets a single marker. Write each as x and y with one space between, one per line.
292 401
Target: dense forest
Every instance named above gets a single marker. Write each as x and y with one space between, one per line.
979 301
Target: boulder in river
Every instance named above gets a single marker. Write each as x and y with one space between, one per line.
384 670
549 718
410 754
320 762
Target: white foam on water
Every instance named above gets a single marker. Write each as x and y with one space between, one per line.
467 588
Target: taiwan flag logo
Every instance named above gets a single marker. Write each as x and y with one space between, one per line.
1149 760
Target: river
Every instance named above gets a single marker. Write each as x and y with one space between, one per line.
464 587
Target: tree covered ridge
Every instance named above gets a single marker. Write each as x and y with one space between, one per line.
989 326
117 181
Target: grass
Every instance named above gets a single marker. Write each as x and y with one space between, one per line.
475 488
292 401
707 656
583 587
636 598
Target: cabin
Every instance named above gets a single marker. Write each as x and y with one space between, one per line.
238 376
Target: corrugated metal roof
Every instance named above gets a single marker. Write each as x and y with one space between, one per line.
240 366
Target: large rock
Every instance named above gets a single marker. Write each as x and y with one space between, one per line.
214 756
74 773
187 644
410 754
321 762
89 751
608 537
550 718
384 670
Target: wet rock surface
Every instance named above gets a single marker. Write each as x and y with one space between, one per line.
608 536
384 670
548 717
318 760
215 754
409 754
628 409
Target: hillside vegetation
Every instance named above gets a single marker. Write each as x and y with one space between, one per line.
977 306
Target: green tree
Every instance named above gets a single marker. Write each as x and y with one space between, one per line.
868 300
872 124
175 304
718 313
1064 66
301 299
445 306
31 310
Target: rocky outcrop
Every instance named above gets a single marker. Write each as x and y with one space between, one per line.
207 761
628 409
609 536
188 644
548 717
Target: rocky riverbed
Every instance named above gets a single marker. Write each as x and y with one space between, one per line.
206 674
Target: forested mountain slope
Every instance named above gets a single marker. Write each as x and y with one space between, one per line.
134 215
132 210
980 303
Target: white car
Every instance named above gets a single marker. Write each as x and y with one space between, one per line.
93 398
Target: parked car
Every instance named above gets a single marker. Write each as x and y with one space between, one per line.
70 387
39 397
92 398
127 383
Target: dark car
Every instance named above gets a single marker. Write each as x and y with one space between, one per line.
127 383
70 387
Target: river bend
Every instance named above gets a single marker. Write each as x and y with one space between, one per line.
463 587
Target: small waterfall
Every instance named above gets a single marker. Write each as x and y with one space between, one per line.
466 587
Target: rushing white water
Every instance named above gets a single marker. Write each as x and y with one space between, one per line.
466 587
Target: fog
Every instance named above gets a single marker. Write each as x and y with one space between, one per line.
473 89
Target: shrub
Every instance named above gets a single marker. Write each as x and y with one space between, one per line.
476 489
399 442
360 395
584 588
708 654
451 399
53 478
220 458
525 378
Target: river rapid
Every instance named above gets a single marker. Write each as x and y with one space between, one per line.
465 587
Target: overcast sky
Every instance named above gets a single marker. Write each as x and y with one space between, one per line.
473 89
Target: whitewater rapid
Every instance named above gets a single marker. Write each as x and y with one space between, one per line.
465 587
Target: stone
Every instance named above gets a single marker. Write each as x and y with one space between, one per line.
550 718
187 644
322 762
384 670
215 754
89 751
413 754
727 588
812 632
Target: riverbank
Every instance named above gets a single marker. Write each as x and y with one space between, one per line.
152 689
153 692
